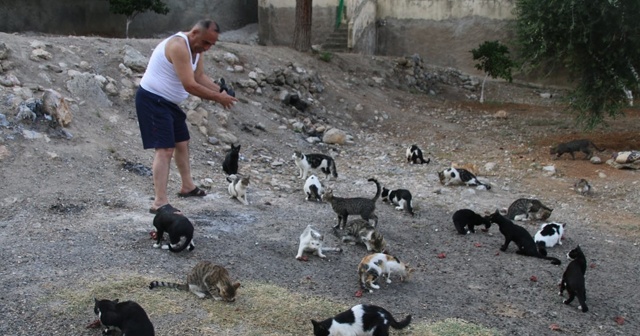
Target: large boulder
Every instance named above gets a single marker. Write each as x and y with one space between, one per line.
334 136
55 105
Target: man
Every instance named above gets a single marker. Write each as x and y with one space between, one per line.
175 70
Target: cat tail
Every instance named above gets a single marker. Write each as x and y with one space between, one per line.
594 146
334 171
542 248
554 261
187 242
409 208
173 285
398 324
379 191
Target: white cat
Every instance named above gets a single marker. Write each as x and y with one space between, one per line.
311 241
460 176
238 187
376 265
313 188
550 234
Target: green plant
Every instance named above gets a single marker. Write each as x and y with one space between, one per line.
494 60
131 8
325 56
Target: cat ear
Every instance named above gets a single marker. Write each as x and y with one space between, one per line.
116 300
236 285
95 300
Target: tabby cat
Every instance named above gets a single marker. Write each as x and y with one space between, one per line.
306 162
238 187
360 320
128 317
399 197
230 163
414 155
177 226
519 235
468 218
582 187
582 145
353 206
573 279
205 278
311 240
362 232
524 209
376 265
459 176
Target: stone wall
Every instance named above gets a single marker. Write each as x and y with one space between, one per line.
276 20
362 19
92 17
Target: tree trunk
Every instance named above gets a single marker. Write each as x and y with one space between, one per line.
302 32
482 90
129 20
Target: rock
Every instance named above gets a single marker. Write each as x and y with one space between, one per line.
545 95
134 60
39 55
595 160
55 105
502 114
35 44
334 136
9 80
125 70
231 58
602 175
86 86
4 152
277 163
549 170
238 68
489 166
31 134
313 140
226 137
4 51
213 140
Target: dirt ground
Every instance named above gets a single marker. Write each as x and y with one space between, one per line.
75 221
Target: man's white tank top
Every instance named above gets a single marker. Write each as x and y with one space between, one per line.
161 78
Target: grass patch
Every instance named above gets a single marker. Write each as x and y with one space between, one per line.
325 56
452 327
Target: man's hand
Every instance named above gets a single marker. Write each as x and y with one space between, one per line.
225 100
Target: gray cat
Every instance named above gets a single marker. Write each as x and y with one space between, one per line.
524 209
344 207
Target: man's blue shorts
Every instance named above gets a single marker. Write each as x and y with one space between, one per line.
162 123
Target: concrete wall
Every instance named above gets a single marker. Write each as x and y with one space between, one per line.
362 25
276 21
92 17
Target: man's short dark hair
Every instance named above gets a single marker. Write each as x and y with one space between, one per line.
206 24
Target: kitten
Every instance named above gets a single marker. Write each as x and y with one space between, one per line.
362 232
459 176
305 162
550 234
399 197
353 206
520 236
177 226
573 279
311 241
582 145
313 188
238 187
360 320
128 317
414 155
582 187
468 218
376 265
230 164
205 279
524 209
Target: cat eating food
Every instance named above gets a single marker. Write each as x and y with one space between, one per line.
550 234
311 240
362 232
582 145
469 219
128 317
524 209
360 320
238 187
177 226
344 207
230 163
206 279
400 197
306 162
460 176
414 155
377 265
573 279
313 188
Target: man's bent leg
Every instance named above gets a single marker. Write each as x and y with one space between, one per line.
161 166
184 167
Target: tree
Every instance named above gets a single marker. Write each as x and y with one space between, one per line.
494 61
597 41
302 31
131 8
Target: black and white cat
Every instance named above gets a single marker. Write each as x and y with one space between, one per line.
519 235
230 163
313 188
399 197
414 155
238 187
306 162
177 226
360 320
127 317
311 240
469 219
460 176
573 279
550 234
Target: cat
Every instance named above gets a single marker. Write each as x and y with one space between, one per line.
128 317
550 234
313 188
573 279
305 162
376 265
353 206
399 197
524 209
238 187
582 145
459 176
206 278
362 232
468 218
519 235
177 226
230 164
360 320
582 187
414 155
311 241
